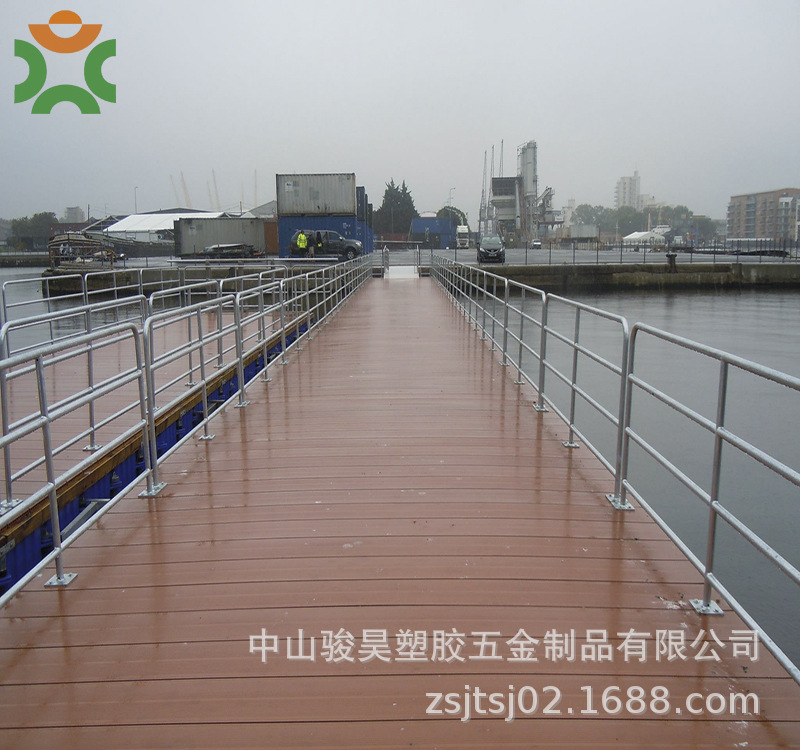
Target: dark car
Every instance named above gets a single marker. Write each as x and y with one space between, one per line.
491 249
325 242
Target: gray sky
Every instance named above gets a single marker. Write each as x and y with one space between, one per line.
700 96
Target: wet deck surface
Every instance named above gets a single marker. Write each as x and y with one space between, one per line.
387 518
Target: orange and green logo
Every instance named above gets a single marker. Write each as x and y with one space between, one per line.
34 86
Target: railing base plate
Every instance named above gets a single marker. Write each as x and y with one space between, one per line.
617 503
65 580
712 608
156 489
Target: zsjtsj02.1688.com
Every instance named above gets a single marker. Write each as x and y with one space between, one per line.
614 700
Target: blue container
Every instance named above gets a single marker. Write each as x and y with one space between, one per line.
347 226
436 233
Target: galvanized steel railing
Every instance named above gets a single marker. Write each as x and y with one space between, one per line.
126 403
723 436
487 301
116 283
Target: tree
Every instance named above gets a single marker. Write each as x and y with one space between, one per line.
33 232
456 215
604 218
630 220
396 212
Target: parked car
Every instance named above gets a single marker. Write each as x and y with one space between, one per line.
491 249
325 242
536 244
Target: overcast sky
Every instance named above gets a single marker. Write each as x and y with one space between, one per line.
699 96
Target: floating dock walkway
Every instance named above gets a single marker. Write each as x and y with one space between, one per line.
388 547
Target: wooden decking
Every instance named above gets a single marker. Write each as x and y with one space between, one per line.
390 485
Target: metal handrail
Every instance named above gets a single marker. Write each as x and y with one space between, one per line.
571 381
458 282
48 412
486 301
722 435
315 295
82 313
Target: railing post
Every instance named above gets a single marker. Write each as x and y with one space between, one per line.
570 442
615 498
619 499
203 381
540 404
237 318
90 378
151 457
284 361
60 578
485 291
494 312
220 347
191 380
705 606
504 362
144 364
519 380
262 331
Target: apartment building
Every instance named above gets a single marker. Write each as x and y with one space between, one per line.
770 215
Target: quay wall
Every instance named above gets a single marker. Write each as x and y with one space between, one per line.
564 279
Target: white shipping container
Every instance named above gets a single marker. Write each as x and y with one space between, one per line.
316 194
584 232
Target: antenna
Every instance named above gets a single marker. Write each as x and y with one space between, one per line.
255 186
501 157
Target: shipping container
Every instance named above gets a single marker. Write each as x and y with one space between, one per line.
316 195
584 232
194 235
437 234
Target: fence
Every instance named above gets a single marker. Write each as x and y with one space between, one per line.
504 313
134 390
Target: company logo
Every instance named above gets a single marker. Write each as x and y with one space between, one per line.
34 85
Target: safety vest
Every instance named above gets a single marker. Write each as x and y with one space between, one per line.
302 241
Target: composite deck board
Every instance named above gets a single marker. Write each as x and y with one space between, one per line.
392 477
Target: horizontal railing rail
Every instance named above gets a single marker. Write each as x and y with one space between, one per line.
501 311
46 293
55 396
712 498
486 300
47 328
44 472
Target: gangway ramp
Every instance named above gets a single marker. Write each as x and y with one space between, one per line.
391 494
